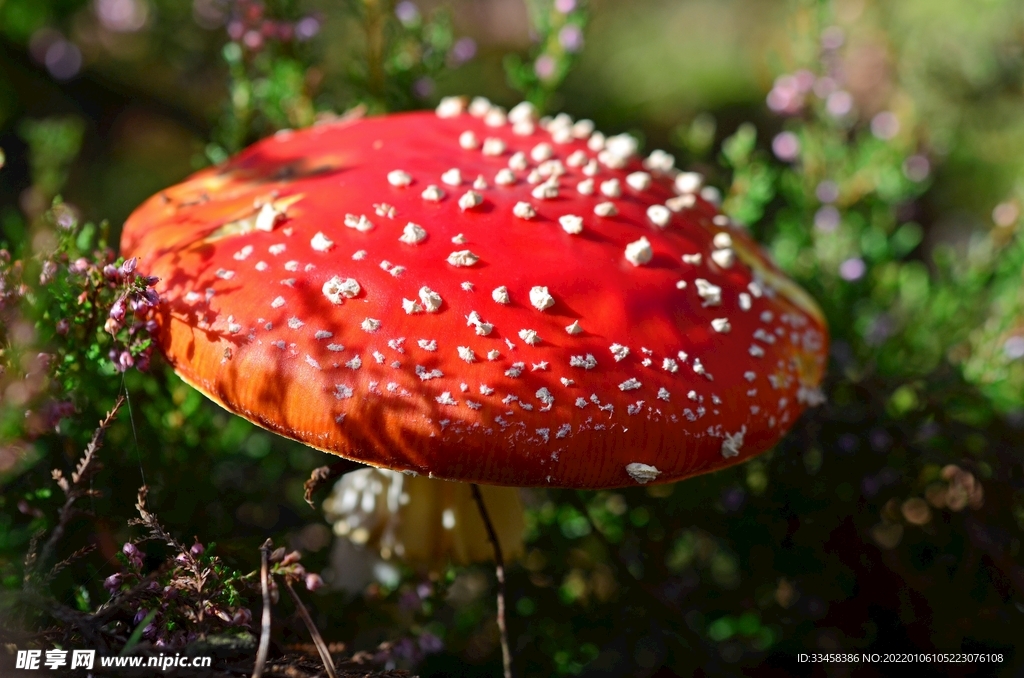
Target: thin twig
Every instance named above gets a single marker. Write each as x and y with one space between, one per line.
499 571
75 490
264 649
318 640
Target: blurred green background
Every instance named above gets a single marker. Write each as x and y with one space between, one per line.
876 148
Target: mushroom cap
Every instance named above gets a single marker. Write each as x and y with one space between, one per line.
375 288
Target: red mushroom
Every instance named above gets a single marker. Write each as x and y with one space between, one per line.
479 296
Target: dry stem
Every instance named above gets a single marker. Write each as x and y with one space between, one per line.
264 649
74 490
499 571
318 640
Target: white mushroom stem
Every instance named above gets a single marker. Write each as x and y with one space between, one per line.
422 521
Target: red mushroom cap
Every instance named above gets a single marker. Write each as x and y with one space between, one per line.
479 299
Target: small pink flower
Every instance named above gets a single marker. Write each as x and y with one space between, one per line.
571 38
852 269
544 67
128 267
117 311
786 146
113 582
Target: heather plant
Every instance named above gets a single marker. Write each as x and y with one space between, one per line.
888 520
557 32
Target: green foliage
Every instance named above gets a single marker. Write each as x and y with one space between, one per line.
556 28
419 50
53 144
268 88
753 178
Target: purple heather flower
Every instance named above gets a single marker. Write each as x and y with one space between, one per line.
113 582
827 191
63 59
885 125
544 67
786 96
804 80
408 13
462 51
827 219
423 87
133 554
197 549
125 361
142 361
306 28
405 648
917 168
733 499
65 217
571 38
1013 348
786 146
285 32
430 643
122 16
839 103
313 581
852 269
128 267
565 6
832 38
880 439
48 272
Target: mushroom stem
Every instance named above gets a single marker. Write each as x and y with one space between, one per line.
499 571
264 649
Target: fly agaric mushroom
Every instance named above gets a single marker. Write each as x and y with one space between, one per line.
481 297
